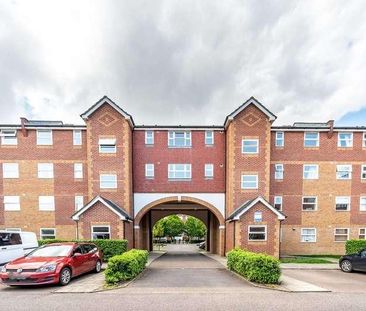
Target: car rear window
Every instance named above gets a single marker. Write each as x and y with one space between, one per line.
7 238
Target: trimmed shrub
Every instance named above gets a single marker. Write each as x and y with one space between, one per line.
259 268
109 248
354 246
126 266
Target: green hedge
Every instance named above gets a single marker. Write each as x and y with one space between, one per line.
109 248
354 246
259 268
126 266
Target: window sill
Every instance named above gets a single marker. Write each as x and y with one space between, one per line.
342 211
209 145
315 210
180 179
149 145
179 147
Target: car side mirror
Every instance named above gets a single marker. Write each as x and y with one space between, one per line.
77 254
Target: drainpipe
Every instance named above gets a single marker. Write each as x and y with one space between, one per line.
77 229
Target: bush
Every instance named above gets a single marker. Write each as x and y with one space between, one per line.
259 268
354 246
109 248
126 266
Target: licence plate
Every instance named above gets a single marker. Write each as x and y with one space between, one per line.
13 276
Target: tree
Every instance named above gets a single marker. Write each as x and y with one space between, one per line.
195 228
158 230
173 225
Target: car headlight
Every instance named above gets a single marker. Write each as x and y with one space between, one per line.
3 269
47 268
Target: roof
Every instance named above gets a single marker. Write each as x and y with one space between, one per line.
250 101
249 204
108 203
180 127
106 100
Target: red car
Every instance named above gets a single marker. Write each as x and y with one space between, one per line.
52 263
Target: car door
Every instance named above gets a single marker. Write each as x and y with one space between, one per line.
362 262
88 250
79 262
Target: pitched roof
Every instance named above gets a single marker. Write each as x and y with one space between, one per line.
108 203
235 215
250 101
106 100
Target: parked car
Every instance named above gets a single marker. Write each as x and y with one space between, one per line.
14 244
353 262
202 245
53 263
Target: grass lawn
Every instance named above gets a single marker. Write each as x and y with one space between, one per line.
304 260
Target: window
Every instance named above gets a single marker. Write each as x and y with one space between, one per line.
179 139
278 202
278 171
149 170
8 238
179 171
79 202
344 172
249 146
280 139
45 170
209 138
343 203
78 170
310 171
257 233
309 203
311 139
363 204
10 170
77 138
108 181
9 137
364 139
362 234
308 235
107 145
209 170
249 181
46 203
100 232
345 140
149 137
13 229
44 137
11 203
341 234
363 171
47 233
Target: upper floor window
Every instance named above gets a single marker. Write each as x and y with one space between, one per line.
311 139
46 203
9 137
280 139
311 171
278 202
363 204
344 171
11 203
308 235
209 170
249 181
108 181
209 138
78 170
309 203
44 137
149 170
149 137
107 145
363 171
343 203
179 171
10 170
345 140
45 170
278 171
77 138
249 146
179 139
79 202
364 140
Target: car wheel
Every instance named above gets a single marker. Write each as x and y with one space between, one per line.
65 276
346 266
98 267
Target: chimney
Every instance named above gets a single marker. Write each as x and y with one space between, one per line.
23 122
330 123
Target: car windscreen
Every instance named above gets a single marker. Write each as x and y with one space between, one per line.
51 251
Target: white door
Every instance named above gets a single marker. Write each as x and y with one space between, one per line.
10 247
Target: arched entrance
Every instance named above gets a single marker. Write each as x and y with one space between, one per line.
156 210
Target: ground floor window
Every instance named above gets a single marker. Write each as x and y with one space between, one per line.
341 234
257 233
362 234
100 232
47 233
13 229
308 235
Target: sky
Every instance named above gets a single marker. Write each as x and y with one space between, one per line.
183 62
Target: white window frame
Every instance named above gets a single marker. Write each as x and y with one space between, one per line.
250 141
257 226
341 234
311 139
44 141
307 203
79 202
362 236
48 203
279 171
187 138
304 235
11 203
243 176
344 172
107 145
111 184
280 141
13 229
278 200
149 170
45 170
209 170
78 171
209 139
347 200
172 171
77 137
149 137
363 172
349 140
10 170
364 139
363 203
100 226
47 235
315 176
9 137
